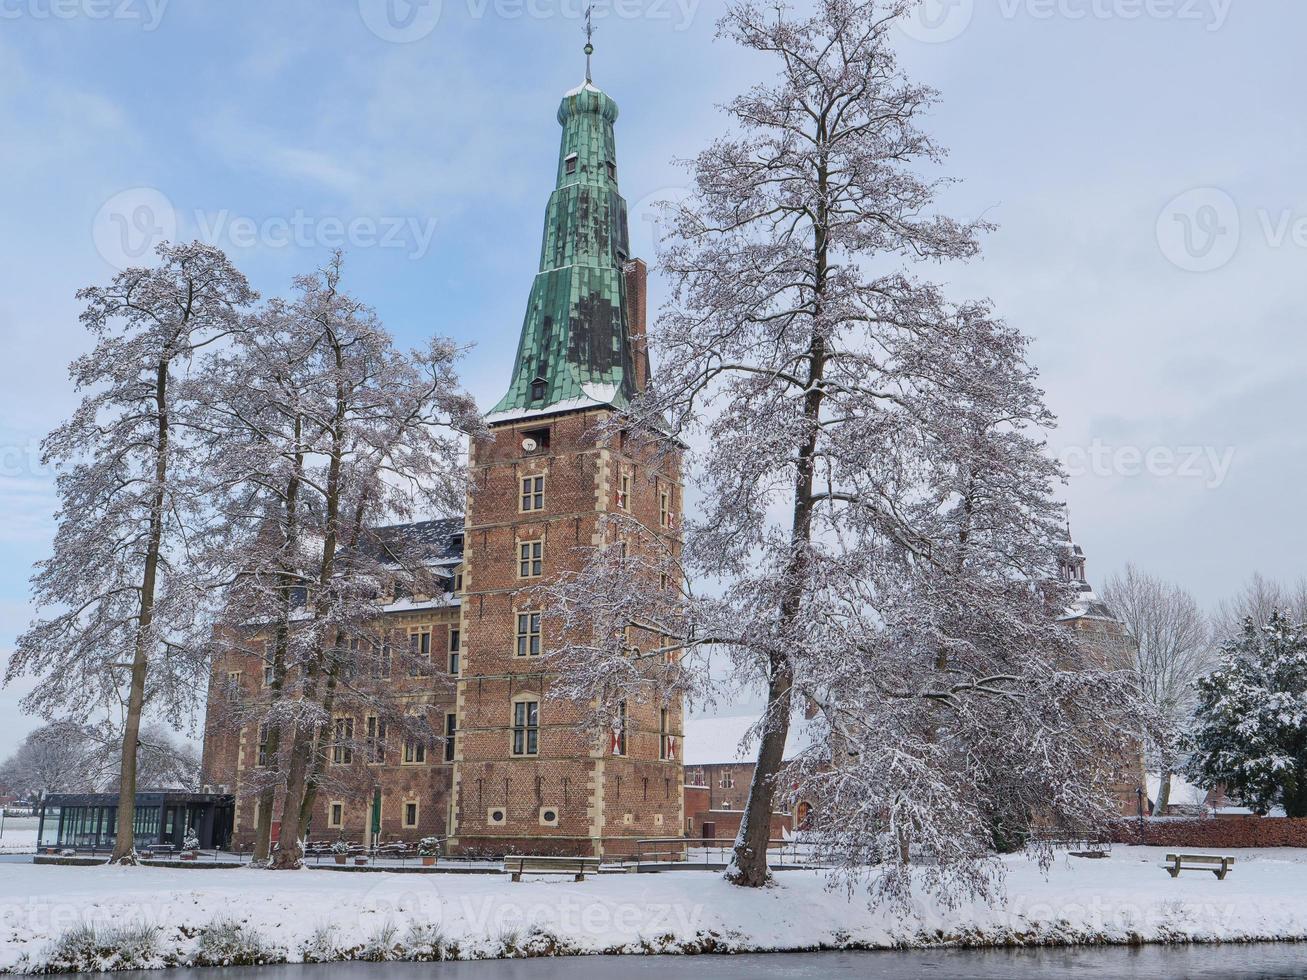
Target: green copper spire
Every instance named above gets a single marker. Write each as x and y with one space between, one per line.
575 349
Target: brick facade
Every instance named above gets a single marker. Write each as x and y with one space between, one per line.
715 795
505 792
1107 641
414 785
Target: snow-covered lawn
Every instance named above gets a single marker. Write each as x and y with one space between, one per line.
19 835
206 915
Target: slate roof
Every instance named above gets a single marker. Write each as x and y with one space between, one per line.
434 542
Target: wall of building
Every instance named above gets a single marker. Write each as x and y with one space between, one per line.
726 784
231 749
1111 646
599 799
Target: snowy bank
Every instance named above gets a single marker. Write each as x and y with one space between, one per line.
65 918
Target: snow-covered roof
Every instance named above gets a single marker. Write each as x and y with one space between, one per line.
566 405
1088 605
433 541
1183 792
711 741
586 86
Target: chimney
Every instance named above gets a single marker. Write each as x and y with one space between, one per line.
637 288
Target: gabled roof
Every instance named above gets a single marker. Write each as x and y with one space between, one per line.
715 741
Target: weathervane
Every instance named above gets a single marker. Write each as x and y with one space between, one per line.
589 37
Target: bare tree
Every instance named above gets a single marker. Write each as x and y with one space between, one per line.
1175 650
375 433
262 433
876 505
130 501
1259 600
51 759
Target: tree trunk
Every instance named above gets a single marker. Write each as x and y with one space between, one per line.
290 847
1163 794
290 854
749 863
268 798
319 756
124 847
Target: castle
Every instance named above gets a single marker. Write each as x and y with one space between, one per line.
513 770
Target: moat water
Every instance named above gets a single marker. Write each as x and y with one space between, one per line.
1227 962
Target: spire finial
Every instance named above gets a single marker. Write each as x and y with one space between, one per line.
589 38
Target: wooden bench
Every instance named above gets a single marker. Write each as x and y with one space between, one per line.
522 864
1215 863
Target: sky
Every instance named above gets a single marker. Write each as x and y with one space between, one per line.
1141 158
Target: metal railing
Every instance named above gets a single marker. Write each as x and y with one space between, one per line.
717 852
650 853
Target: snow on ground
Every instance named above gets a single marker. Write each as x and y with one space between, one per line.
1127 898
19 836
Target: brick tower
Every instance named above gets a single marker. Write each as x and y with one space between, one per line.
529 775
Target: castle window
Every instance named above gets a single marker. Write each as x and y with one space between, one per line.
410 814
624 491
530 559
528 634
342 751
664 745
415 752
455 648
526 727
538 390
665 509
619 731
419 648
263 744
458 579
612 170
533 493
728 779
569 164
376 740
336 815
451 734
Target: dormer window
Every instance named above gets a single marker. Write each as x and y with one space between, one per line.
538 390
612 170
569 164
